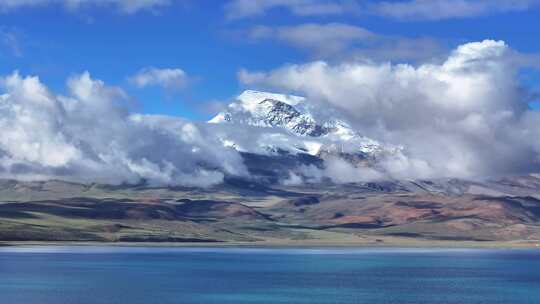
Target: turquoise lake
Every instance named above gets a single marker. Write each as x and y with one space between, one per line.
94 275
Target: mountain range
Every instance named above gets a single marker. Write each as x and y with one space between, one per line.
281 202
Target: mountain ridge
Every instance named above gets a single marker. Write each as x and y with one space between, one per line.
424 213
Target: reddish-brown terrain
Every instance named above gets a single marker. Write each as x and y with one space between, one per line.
507 210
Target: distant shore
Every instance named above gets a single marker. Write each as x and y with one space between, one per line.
394 243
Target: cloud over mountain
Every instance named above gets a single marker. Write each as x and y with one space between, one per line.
465 117
90 136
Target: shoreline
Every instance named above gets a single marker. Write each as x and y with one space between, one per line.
270 245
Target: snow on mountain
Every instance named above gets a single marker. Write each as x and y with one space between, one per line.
289 123
270 110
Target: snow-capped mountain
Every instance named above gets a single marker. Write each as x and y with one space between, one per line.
271 110
292 115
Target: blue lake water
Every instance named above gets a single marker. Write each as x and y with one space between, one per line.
94 275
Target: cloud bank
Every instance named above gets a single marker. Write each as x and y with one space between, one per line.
465 117
90 136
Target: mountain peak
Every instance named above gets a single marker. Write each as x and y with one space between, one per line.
293 115
250 97
265 109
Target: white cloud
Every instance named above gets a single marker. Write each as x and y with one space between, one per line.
293 180
170 79
323 38
464 117
338 40
341 171
447 9
90 136
10 40
336 169
125 6
237 9
400 9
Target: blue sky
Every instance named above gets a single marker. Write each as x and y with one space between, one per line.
210 41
